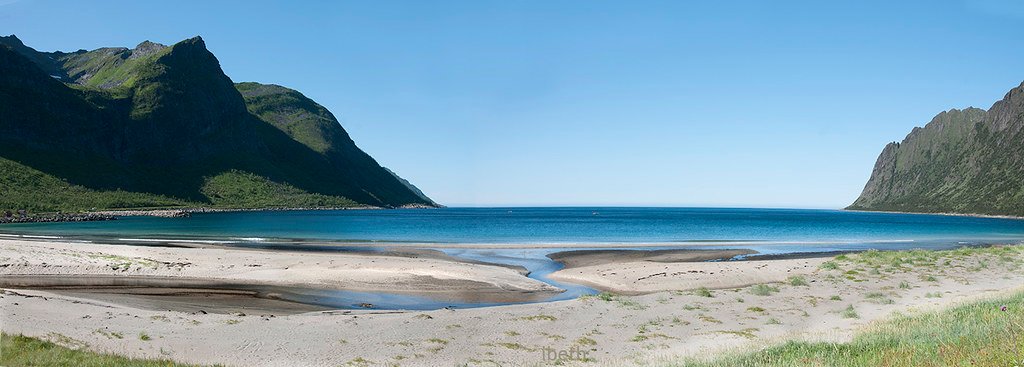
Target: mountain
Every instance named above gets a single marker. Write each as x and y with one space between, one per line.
158 126
967 161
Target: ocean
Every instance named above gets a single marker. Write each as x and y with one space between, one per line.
778 229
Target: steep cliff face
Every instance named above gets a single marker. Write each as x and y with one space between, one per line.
964 161
166 121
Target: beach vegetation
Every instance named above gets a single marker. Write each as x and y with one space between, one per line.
516 346
585 341
437 341
552 336
539 318
763 290
359 362
703 292
798 281
745 333
19 350
110 334
849 313
144 337
812 300
879 297
985 333
709 319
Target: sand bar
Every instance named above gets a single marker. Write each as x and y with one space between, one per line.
49 263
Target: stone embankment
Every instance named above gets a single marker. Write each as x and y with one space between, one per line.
22 217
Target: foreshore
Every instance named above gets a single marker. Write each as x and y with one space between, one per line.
112 214
971 215
46 264
53 291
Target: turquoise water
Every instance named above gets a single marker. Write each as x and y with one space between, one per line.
769 231
812 229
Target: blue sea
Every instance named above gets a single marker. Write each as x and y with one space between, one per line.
787 228
490 231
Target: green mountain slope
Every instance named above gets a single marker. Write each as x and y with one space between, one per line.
967 161
166 123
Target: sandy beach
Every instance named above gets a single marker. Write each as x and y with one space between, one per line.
54 264
749 304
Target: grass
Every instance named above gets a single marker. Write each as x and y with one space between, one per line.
623 302
21 350
976 334
540 318
763 290
745 333
585 341
879 297
798 281
703 292
849 313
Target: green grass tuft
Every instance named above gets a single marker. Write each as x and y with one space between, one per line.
763 290
21 350
976 334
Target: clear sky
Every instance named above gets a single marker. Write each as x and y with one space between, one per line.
760 103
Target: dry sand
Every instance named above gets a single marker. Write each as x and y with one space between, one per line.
627 330
647 276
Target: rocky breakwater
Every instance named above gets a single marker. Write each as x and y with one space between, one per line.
164 213
22 217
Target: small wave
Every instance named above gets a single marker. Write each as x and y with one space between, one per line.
173 240
40 236
250 239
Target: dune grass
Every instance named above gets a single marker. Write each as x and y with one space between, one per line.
18 350
976 334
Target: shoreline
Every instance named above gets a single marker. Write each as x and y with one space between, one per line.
113 214
968 215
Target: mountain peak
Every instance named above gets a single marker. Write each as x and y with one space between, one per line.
12 40
146 48
963 161
194 42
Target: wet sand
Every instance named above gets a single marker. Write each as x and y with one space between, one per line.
581 258
51 264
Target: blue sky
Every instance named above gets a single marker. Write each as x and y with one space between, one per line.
760 103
